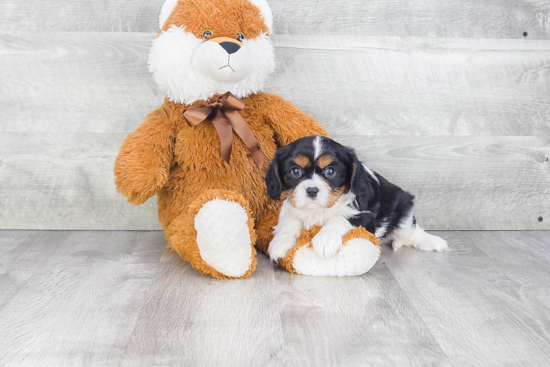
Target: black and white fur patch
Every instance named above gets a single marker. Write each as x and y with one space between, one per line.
325 184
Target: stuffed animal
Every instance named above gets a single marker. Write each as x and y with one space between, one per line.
206 150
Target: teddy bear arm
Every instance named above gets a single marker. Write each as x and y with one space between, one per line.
359 252
142 166
289 123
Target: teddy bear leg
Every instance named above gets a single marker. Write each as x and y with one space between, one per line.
358 254
216 236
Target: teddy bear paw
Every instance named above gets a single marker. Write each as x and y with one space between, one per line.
359 250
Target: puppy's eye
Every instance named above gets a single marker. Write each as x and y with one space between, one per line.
207 33
240 36
330 172
296 172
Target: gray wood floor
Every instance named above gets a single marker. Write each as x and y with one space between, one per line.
119 298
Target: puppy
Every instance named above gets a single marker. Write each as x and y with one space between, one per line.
326 185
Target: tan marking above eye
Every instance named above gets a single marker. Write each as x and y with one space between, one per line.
302 161
324 161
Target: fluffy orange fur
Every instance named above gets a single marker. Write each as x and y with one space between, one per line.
226 18
182 164
182 233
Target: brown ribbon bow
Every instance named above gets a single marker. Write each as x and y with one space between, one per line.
225 116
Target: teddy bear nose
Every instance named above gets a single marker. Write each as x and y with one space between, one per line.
230 47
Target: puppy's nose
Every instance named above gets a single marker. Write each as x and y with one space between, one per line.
230 47
312 192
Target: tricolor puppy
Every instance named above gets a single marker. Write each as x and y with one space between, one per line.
327 185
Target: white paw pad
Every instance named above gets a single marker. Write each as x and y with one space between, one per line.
223 237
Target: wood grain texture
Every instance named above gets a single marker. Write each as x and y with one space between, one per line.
81 16
189 319
105 299
61 82
65 181
417 86
69 99
22 253
359 321
428 18
62 181
466 183
277 319
477 313
524 257
80 304
75 82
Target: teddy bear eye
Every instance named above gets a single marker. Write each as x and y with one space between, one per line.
207 33
240 36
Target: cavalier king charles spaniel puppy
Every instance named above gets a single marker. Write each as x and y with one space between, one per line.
325 184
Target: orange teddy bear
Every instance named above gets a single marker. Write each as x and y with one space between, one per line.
205 151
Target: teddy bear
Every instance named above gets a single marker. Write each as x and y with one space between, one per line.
206 150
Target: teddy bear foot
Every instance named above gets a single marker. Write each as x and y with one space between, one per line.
217 236
360 251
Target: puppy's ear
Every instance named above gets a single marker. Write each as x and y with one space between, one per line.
362 183
273 180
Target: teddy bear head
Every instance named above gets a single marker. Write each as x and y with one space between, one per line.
208 47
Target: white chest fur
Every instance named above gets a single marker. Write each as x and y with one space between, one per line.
320 216
293 220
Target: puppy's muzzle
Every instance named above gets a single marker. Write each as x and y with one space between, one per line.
312 192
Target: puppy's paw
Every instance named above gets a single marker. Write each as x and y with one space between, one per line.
279 246
425 242
327 243
396 245
432 243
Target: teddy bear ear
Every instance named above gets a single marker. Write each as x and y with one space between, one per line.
265 10
166 10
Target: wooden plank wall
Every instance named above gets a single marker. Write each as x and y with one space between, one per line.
450 100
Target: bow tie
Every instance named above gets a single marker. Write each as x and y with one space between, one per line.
224 115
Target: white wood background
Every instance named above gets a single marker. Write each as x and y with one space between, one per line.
447 99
